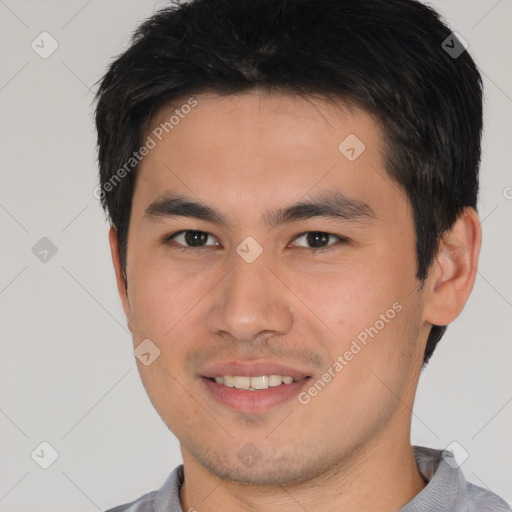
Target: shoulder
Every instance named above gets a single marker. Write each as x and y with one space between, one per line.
483 500
143 504
447 489
166 498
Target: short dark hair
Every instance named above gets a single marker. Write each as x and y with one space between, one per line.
391 58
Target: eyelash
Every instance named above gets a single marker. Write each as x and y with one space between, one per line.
169 238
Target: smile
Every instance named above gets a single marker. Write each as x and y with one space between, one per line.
253 383
243 394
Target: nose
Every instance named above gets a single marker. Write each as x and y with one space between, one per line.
251 301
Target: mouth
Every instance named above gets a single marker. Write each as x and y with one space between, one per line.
254 383
253 388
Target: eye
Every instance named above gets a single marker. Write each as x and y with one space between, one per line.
188 240
319 240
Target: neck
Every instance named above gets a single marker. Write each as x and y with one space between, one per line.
382 476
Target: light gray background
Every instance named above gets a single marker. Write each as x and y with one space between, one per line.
68 375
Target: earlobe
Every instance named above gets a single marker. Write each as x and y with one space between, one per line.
120 274
454 271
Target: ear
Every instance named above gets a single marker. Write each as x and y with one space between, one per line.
454 271
121 283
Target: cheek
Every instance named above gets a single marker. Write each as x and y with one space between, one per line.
370 308
346 299
162 295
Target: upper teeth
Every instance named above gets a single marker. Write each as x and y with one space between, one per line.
260 382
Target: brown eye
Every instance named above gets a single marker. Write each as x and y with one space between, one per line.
189 239
320 239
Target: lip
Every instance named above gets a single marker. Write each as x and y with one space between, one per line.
257 401
252 369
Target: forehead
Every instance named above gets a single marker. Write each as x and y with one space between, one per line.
260 148
247 123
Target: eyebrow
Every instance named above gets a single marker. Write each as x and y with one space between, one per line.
330 204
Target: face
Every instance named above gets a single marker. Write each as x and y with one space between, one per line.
251 286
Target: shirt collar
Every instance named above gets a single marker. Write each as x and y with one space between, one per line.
168 497
445 482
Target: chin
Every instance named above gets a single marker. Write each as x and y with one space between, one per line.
288 470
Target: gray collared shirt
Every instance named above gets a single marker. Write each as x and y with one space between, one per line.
447 490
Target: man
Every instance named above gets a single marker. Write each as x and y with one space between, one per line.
292 191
